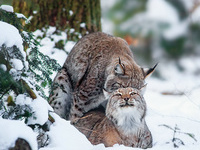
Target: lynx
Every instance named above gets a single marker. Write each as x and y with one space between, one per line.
97 62
124 122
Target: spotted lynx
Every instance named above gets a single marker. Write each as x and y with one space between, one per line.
124 122
98 61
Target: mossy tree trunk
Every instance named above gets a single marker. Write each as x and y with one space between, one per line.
73 16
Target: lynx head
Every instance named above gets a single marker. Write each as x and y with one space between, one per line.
124 72
126 107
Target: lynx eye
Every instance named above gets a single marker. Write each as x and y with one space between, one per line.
118 94
116 85
132 93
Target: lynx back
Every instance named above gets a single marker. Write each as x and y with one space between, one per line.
98 61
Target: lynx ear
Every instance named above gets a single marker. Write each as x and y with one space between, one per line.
119 68
143 89
148 71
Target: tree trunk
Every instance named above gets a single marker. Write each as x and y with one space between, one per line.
76 17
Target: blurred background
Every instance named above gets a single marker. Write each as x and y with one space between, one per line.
155 29
158 31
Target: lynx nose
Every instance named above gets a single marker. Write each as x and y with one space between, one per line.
126 99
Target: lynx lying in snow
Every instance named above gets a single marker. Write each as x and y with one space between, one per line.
124 122
98 61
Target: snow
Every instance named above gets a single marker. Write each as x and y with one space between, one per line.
71 30
165 13
40 108
19 15
10 130
7 8
10 36
71 12
157 11
23 100
69 45
17 64
28 19
48 44
195 16
64 136
190 66
164 9
107 25
13 72
35 12
2 66
82 25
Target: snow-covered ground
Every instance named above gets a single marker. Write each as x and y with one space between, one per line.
173 105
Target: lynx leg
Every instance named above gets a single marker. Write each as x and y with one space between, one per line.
145 139
61 94
77 110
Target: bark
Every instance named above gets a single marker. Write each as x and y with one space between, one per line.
63 14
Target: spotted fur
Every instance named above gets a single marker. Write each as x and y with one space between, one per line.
124 122
97 62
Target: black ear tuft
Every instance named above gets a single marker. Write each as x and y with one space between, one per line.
148 71
120 61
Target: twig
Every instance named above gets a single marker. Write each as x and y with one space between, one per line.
86 129
76 119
